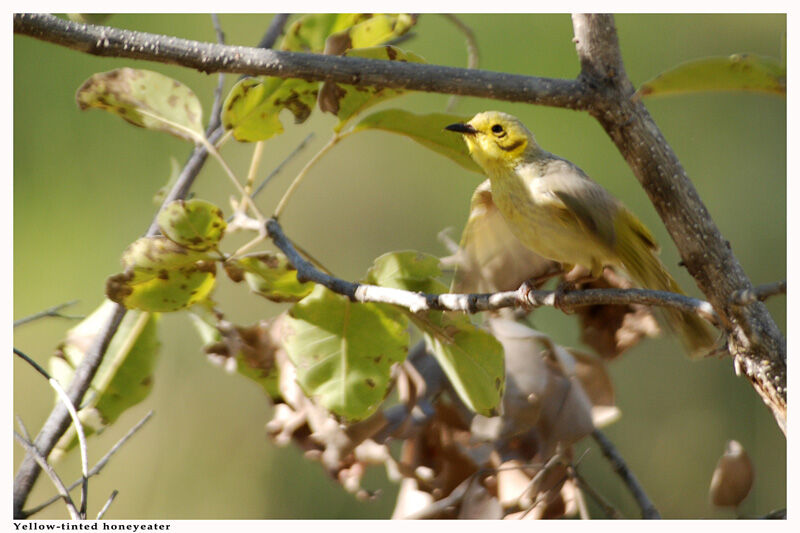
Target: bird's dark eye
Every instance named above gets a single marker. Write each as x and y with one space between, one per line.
497 129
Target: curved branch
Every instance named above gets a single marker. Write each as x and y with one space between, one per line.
209 58
756 343
474 303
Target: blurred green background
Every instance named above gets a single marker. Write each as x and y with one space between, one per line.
83 188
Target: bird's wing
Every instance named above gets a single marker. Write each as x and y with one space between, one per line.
593 206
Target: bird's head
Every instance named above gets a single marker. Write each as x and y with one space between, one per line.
495 140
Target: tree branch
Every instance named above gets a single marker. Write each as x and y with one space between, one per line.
209 58
756 343
474 303
58 420
649 510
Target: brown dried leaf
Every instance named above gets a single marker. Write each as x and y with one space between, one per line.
542 389
733 477
612 329
479 504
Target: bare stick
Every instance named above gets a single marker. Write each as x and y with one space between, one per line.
216 107
649 510
607 508
280 166
473 303
65 399
97 467
473 54
42 462
760 293
108 504
50 311
208 57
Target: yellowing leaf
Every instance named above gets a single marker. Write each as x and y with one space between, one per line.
123 379
161 276
344 351
345 101
146 99
375 30
742 72
195 224
308 33
428 130
253 106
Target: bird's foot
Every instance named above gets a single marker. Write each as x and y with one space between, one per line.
558 296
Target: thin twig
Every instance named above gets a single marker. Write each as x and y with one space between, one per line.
209 58
108 504
22 428
473 54
50 311
607 508
216 107
274 30
98 466
649 510
280 166
473 303
65 399
302 174
44 465
760 293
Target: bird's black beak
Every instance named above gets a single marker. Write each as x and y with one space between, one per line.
460 127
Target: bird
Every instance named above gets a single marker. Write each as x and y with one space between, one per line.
556 210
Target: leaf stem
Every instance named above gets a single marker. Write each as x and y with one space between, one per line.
296 183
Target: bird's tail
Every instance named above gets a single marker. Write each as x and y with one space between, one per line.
637 249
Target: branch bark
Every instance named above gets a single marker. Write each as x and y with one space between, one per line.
474 303
209 58
755 342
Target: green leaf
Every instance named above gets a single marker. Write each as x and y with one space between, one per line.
471 358
344 351
407 270
195 224
161 276
743 72
123 379
309 32
253 106
273 277
428 130
146 99
345 101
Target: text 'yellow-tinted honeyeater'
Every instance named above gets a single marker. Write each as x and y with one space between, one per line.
557 211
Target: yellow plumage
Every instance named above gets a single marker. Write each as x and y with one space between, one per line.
557 211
